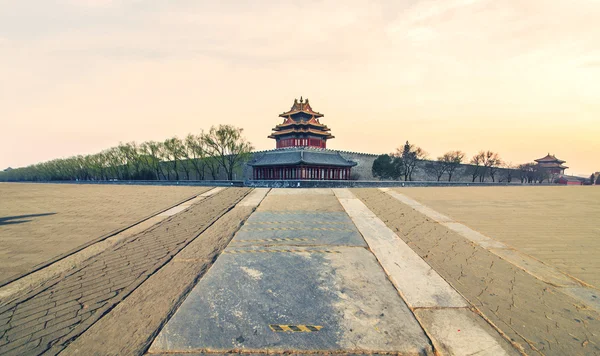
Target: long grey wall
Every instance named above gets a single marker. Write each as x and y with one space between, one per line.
362 171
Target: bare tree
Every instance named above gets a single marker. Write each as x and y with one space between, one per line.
410 154
98 163
507 173
150 160
213 166
532 173
451 161
436 169
152 154
133 159
196 153
524 170
476 162
491 163
116 162
173 152
226 144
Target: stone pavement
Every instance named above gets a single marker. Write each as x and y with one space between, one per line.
46 319
533 314
554 225
132 325
294 281
39 222
309 271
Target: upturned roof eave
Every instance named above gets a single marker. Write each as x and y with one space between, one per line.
293 112
283 126
280 133
304 163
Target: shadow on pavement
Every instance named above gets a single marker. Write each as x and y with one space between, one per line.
18 219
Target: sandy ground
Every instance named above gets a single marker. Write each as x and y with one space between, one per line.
557 225
66 216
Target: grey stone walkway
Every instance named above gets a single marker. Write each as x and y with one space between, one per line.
46 319
294 281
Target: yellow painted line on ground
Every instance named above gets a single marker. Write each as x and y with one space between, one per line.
275 240
298 222
278 250
296 229
295 328
293 212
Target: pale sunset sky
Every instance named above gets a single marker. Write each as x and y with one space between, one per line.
520 77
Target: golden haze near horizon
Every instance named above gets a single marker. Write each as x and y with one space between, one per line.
521 78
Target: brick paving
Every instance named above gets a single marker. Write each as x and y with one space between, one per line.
57 218
556 225
533 314
48 318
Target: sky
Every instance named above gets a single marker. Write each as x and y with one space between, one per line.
519 77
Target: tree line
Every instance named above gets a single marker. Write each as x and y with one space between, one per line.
401 164
221 150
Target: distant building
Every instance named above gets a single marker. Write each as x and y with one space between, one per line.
551 164
300 153
569 180
8 169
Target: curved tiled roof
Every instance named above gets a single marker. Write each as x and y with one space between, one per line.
327 134
301 106
296 156
549 158
552 165
320 149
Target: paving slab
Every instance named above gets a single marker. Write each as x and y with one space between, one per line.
536 268
299 228
294 301
462 332
301 191
436 216
254 199
590 296
301 202
473 235
418 283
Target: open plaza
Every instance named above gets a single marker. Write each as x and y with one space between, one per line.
132 270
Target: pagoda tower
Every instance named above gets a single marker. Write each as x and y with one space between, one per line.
300 152
551 164
301 128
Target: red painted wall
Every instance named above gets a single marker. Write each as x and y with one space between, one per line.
301 142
